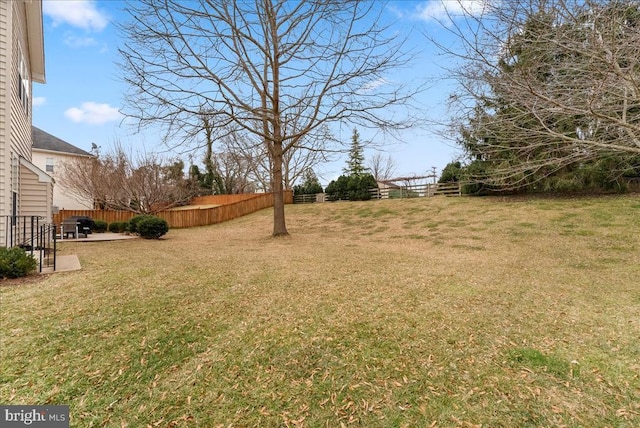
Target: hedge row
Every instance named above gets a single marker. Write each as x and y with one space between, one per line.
147 226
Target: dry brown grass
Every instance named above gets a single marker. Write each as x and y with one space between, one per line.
443 312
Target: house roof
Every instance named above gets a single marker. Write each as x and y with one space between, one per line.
43 177
35 36
45 141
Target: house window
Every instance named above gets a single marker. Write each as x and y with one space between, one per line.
23 84
14 172
14 207
49 165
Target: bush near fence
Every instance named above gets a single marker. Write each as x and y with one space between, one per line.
230 207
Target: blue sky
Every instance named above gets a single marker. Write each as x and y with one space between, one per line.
81 100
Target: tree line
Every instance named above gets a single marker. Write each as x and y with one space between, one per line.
547 93
146 183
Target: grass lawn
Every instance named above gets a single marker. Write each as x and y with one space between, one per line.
447 312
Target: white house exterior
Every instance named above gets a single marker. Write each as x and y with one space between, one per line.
25 190
49 153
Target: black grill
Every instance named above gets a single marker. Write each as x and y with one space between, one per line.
85 224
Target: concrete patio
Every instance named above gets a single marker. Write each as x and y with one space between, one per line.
93 237
68 263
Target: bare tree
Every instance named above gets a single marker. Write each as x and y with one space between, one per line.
262 66
240 163
382 167
144 184
226 169
307 154
255 156
234 171
97 178
545 85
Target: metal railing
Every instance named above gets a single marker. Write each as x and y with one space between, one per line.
35 236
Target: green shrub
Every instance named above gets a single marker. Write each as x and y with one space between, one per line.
152 227
451 173
15 263
563 184
359 187
118 226
337 189
310 186
133 223
99 226
352 187
474 176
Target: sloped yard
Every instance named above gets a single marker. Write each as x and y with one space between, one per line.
421 312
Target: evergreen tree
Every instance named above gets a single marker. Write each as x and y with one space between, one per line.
355 163
552 103
451 172
355 185
310 185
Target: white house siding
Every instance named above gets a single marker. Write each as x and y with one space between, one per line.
20 136
35 187
5 160
15 119
62 197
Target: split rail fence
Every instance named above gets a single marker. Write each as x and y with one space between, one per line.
417 191
395 192
223 208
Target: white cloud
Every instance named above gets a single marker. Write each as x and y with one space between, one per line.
372 85
93 113
77 13
442 10
38 101
396 11
79 42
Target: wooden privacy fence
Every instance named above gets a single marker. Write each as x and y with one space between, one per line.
105 215
229 207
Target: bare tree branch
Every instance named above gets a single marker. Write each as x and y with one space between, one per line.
144 184
381 167
275 70
546 85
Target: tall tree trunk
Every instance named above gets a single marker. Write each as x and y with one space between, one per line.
279 225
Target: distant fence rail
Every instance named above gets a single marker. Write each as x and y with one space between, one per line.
309 198
448 189
227 207
394 192
417 191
